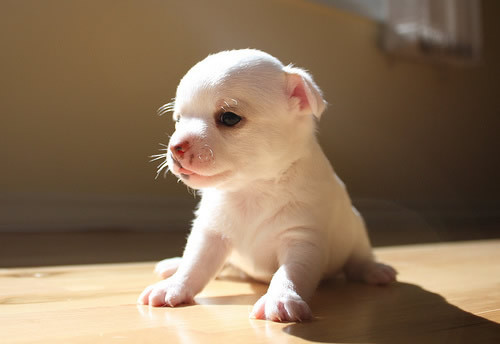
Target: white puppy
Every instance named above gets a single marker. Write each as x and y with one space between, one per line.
271 203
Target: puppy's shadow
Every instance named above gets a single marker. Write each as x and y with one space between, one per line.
400 313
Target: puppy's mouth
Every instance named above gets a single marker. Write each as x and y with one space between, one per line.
195 179
184 172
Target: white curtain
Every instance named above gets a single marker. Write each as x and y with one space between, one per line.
439 30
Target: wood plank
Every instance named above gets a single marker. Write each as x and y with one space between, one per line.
447 293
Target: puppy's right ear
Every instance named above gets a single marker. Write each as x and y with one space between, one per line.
303 94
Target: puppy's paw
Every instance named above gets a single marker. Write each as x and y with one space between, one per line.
167 267
380 274
285 307
166 293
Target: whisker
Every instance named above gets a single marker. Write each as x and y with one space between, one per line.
163 112
170 104
191 191
169 107
165 108
157 157
163 166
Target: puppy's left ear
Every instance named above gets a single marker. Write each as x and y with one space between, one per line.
303 94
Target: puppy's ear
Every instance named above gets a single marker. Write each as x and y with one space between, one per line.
303 93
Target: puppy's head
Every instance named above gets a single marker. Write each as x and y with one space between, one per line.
241 116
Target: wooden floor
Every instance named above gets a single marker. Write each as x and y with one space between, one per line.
447 293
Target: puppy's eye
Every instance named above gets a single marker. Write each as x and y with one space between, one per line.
229 119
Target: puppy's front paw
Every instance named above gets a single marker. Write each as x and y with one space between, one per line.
284 307
169 293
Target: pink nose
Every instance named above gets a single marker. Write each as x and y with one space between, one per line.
179 149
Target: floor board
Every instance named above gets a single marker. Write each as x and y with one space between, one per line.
447 293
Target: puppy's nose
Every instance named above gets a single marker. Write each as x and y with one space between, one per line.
179 149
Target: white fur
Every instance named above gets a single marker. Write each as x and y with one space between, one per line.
271 203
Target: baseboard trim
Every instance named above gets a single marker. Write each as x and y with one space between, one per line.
71 212
23 212
378 212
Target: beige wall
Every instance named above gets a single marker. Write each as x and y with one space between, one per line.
81 80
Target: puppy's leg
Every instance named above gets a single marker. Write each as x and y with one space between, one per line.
167 267
362 266
292 285
203 256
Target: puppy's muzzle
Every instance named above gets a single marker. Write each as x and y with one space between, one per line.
187 156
